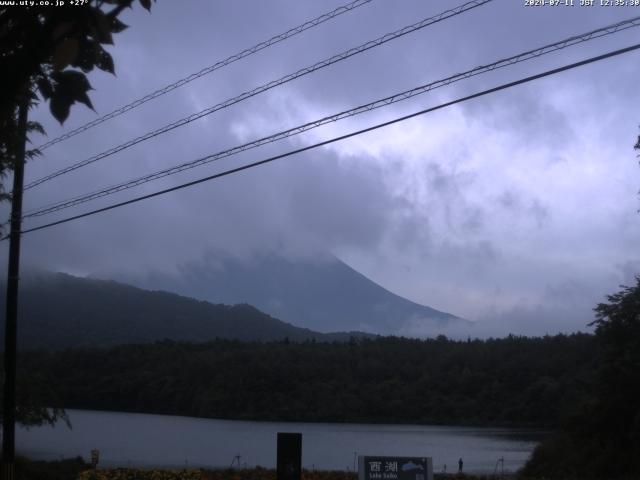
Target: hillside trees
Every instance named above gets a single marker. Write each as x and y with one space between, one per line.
515 380
617 408
601 439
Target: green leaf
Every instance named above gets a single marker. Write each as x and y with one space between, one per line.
117 26
35 127
59 108
82 97
103 29
34 152
46 90
65 53
105 62
70 86
73 80
87 57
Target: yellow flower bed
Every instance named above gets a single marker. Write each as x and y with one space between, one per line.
136 474
227 474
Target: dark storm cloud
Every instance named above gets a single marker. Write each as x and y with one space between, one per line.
473 209
329 206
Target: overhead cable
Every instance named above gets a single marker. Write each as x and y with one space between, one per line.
205 71
268 86
521 57
337 139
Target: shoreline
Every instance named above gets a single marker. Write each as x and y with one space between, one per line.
533 428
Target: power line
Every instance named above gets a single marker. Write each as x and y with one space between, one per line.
205 71
342 137
528 55
268 86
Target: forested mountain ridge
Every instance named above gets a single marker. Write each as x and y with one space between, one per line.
60 311
325 295
510 381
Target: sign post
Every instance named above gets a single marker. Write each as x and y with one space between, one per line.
395 468
289 462
95 457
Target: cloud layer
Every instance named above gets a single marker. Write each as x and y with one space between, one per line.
517 210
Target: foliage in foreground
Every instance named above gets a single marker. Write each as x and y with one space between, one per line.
68 469
31 391
602 438
50 49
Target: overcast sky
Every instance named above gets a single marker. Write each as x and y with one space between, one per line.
518 210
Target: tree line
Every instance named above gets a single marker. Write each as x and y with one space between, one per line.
510 381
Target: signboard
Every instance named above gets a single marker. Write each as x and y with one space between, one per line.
289 456
95 456
395 468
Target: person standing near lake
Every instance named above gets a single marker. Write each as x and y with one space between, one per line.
460 463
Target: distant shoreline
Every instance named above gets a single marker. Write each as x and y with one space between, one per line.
536 429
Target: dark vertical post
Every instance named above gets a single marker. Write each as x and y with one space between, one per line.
289 456
10 335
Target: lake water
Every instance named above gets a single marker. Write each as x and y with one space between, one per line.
126 439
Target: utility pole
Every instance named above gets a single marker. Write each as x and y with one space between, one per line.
10 335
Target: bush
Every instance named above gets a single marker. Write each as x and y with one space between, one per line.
57 470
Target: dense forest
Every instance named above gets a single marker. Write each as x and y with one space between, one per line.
510 381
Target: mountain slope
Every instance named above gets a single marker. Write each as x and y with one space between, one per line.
321 295
59 311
